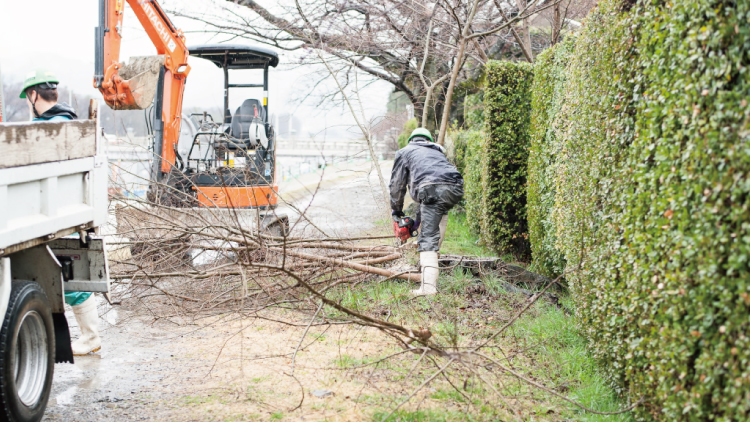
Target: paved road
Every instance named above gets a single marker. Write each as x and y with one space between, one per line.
340 201
112 384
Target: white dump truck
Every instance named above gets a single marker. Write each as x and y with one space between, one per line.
53 199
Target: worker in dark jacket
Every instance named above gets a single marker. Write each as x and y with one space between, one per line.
436 185
40 92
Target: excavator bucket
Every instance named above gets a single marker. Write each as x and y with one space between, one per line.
141 76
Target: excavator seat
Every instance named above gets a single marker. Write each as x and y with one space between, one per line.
248 117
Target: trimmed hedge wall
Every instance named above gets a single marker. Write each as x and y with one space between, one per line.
504 157
468 161
651 200
547 94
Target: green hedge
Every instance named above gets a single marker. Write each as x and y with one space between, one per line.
547 95
651 200
504 157
474 111
683 226
409 127
457 144
468 161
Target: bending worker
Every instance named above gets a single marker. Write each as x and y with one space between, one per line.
436 185
40 91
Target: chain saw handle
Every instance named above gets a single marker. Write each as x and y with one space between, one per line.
403 228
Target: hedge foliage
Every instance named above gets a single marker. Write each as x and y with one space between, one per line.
409 127
504 156
547 94
651 195
469 162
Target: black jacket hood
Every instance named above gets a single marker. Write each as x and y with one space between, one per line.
60 109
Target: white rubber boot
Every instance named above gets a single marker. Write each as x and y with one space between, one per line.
88 321
443 227
430 272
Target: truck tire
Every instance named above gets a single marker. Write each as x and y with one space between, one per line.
27 354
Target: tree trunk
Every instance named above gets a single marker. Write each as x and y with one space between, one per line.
524 33
425 114
556 24
449 92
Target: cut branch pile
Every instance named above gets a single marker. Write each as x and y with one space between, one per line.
207 261
188 264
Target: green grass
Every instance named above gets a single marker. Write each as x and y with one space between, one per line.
421 416
374 293
466 312
196 400
346 361
564 348
456 282
558 356
459 239
576 370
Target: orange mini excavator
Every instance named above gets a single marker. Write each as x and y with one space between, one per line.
230 162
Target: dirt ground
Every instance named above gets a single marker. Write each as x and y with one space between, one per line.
232 369
225 370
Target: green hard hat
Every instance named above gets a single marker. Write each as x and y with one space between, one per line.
39 76
421 131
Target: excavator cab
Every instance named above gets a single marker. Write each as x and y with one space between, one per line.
231 159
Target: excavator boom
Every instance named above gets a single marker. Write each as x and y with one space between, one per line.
135 86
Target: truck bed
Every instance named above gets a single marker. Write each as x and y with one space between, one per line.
52 182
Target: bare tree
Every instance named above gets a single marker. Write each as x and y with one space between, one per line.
467 36
566 16
413 45
16 109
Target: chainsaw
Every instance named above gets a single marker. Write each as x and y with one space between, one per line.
403 228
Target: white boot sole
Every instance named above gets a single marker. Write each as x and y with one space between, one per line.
84 354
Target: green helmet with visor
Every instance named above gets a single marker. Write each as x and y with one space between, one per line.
42 77
420 131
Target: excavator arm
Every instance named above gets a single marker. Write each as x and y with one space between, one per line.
135 85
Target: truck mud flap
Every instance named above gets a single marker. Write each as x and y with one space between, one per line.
63 349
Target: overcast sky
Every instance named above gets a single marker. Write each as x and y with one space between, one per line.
59 35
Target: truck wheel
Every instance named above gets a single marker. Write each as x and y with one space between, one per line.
27 354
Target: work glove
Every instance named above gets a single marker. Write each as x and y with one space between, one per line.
398 214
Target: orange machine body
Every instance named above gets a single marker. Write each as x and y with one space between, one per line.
170 42
237 197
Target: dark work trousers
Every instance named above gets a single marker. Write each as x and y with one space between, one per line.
435 202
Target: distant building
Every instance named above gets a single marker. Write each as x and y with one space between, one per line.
386 129
2 105
286 125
